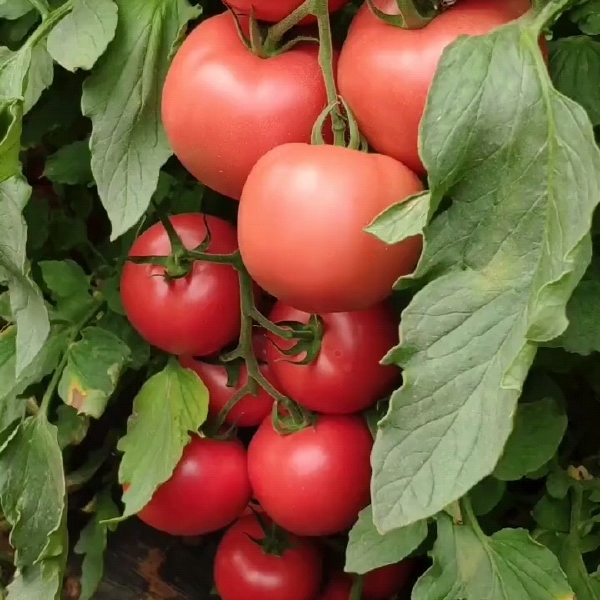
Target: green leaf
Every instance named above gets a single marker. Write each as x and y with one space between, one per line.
65 278
82 37
12 410
553 514
486 495
14 9
515 157
128 143
71 426
507 566
40 75
92 544
402 220
170 405
538 430
27 303
94 365
575 70
71 164
368 549
32 489
587 16
121 327
11 114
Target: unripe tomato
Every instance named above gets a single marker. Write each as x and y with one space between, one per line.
274 11
198 314
244 571
315 481
301 226
385 72
223 107
208 490
346 376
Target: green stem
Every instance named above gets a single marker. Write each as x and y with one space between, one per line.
49 394
49 23
357 588
41 7
277 31
469 517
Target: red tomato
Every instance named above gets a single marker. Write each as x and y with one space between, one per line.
383 583
385 72
198 314
208 490
274 11
244 571
250 411
223 107
315 481
301 226
346 376
338 587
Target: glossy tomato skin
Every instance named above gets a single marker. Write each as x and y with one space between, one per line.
198 314
346 376
385 72
223 107
274 11
315 481
301 226
243 571
250 411
383 583
208 490
338 587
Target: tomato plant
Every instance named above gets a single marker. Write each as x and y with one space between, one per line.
162 164
250 565
208 490
298 192
352 347
314 481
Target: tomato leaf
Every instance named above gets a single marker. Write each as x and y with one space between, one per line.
92 544
71 426
81 38
120 326
128 143
486 494
538 430
553 514
170 405
11 113
27 303
32 489
14 9
368 549
587 16
71 164
94 364
575 70
516 157
468 565
40 75
64 278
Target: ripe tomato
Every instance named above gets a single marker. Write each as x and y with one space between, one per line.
385 72
301 220
198 314
244 571
275 11
208 490
314 481
338 587
346 376
383 583
223 107
250 411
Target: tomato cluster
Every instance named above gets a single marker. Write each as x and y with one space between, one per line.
240 120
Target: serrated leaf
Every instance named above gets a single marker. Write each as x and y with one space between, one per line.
538 430
507 566
92 544
575 70
71 164
516 157
170 405
32 489
128 143
81 38
64 278
368 549
94 364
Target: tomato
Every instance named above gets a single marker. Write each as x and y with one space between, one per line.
244 571
385 72
314 481
346 376
223 107
275 11
198 314
338 587
208 490
251 410
301 226
383 583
